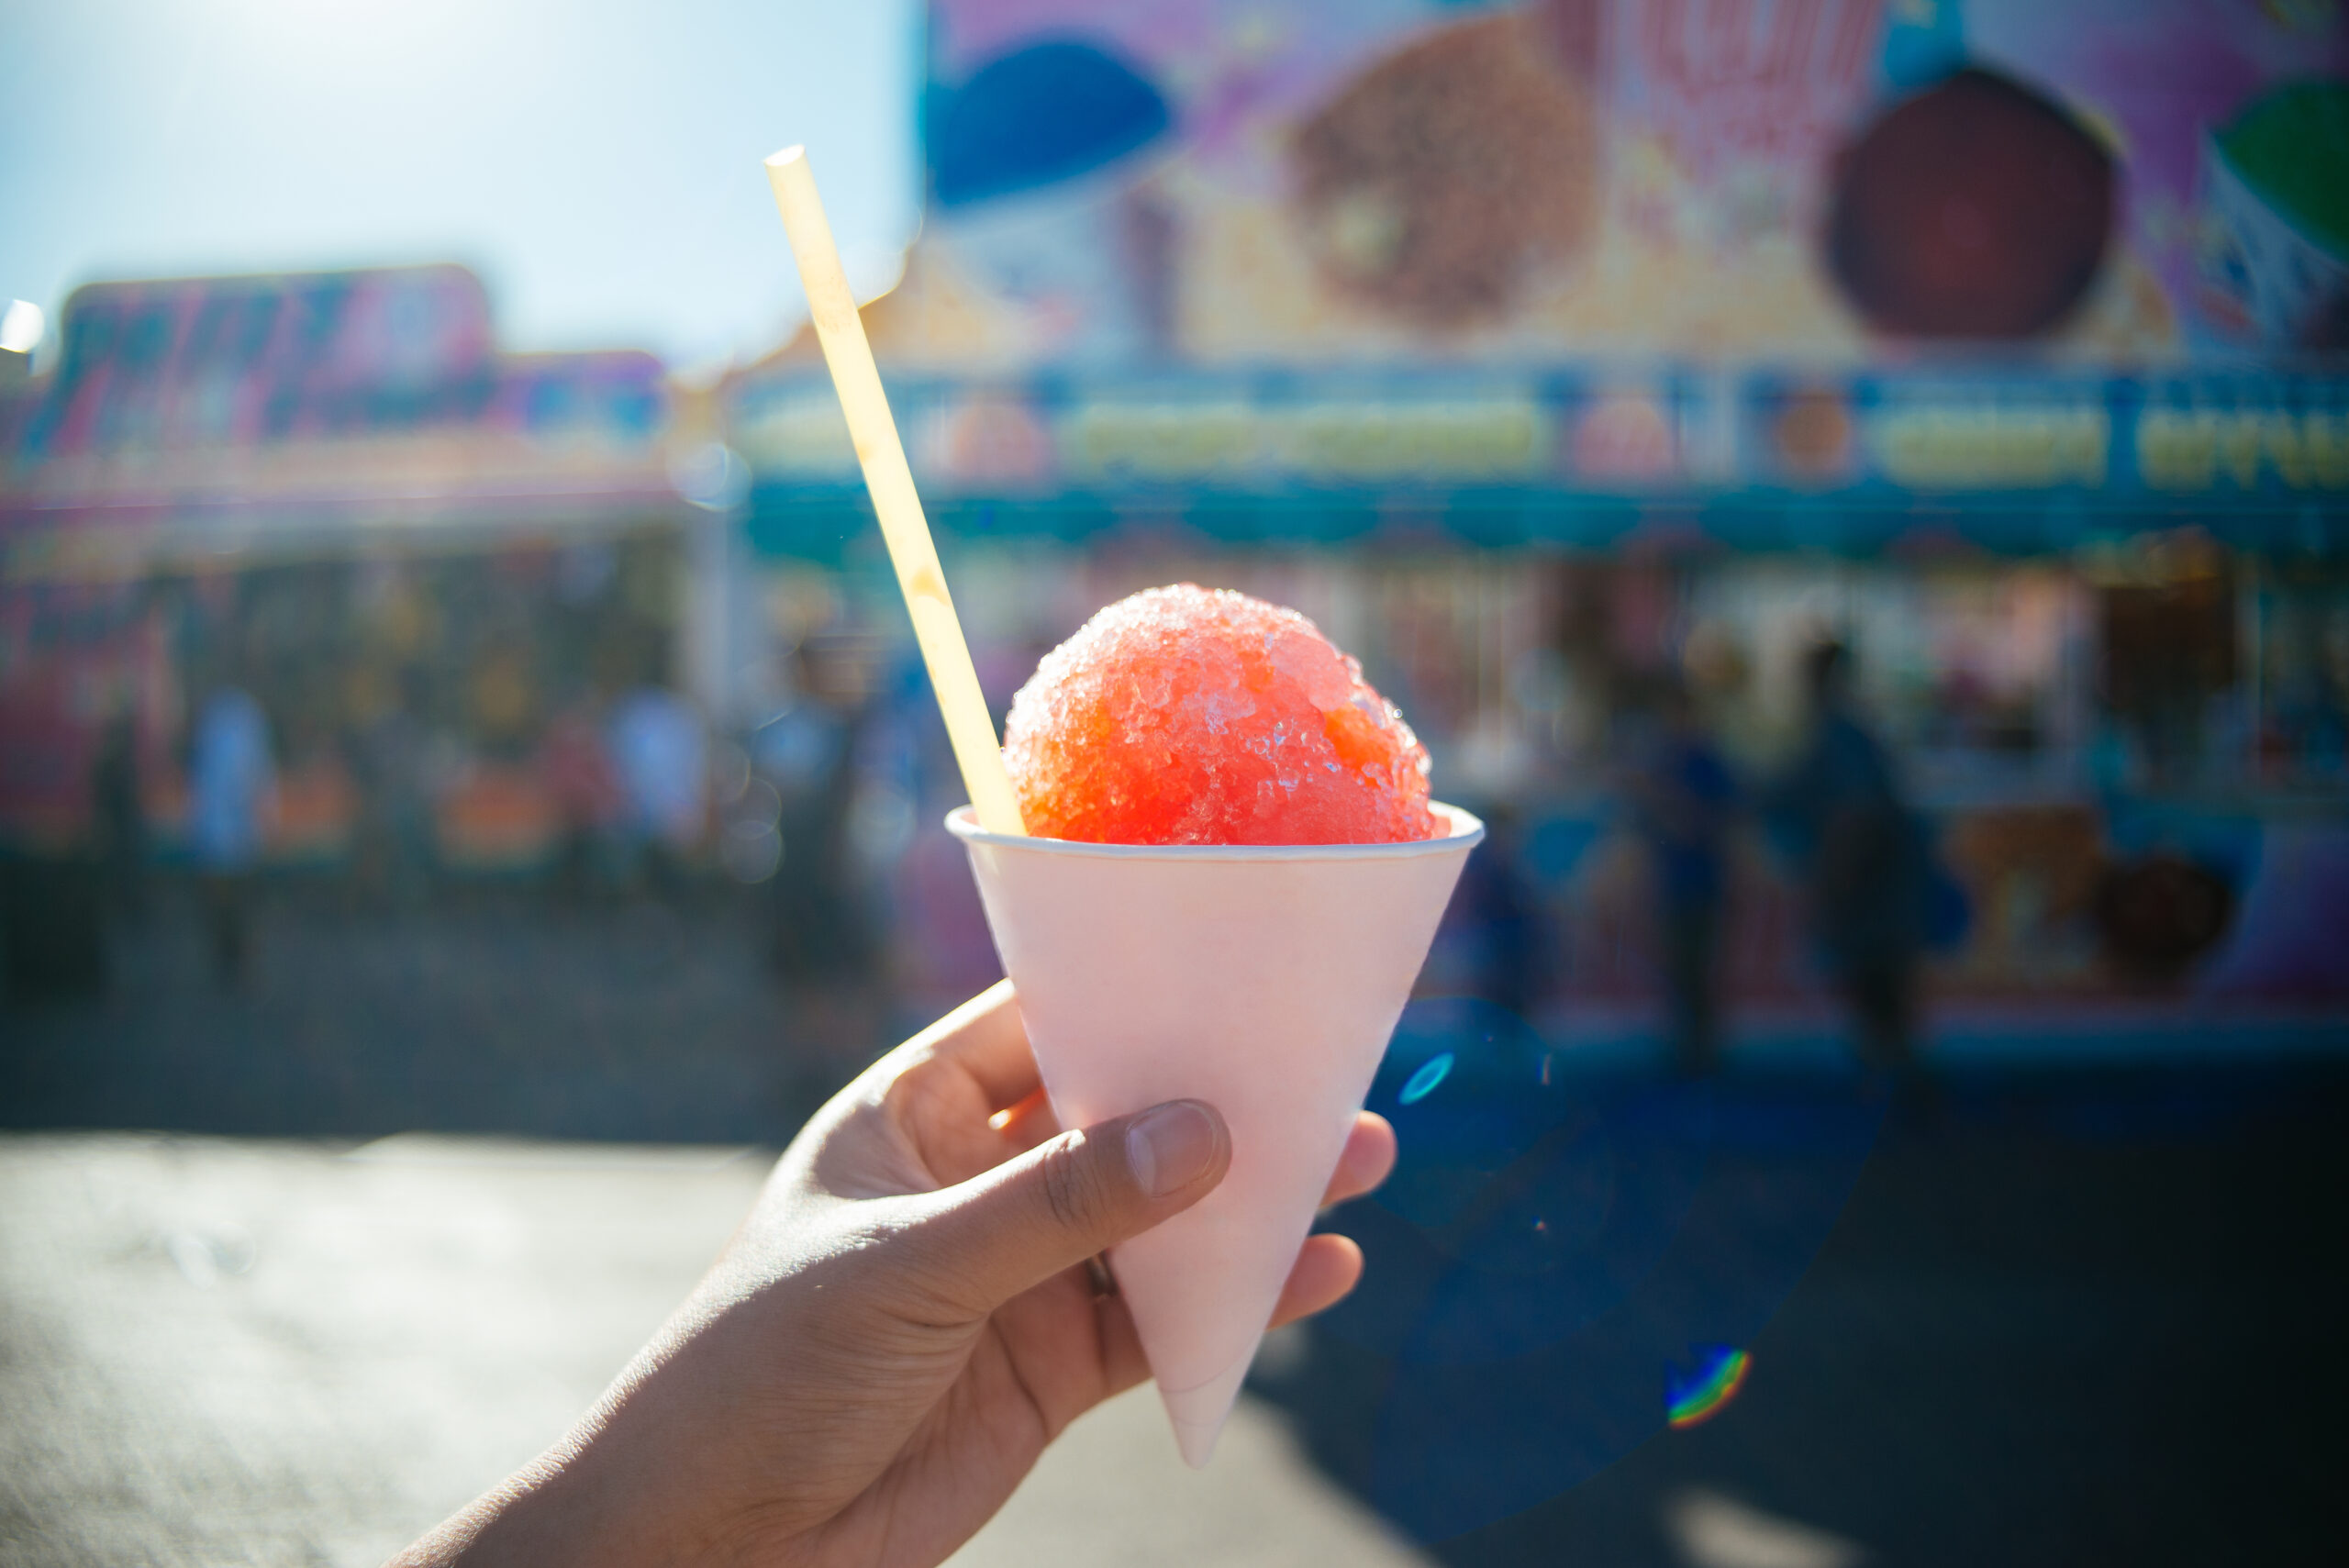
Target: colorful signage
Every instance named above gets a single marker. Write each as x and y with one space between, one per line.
2247 437
2112 183
210 413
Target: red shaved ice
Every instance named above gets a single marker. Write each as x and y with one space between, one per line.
1185 716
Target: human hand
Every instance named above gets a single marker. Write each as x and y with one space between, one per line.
892 1336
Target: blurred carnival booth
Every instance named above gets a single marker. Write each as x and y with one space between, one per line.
419 556
1554 356
1561 359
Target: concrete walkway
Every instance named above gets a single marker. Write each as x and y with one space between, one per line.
215 1351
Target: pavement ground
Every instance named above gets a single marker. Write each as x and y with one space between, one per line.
287 1273
217 1351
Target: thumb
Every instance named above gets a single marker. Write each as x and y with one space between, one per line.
1064 1201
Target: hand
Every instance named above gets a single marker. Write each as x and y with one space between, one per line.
899 1328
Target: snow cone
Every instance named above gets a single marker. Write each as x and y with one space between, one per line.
1233 877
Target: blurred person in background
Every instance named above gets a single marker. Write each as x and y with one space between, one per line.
807 752
1684 801
232 783
387 755
660 752
577 772
117 813
1862 860
1498 916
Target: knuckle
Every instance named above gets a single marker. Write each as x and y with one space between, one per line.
1072 1185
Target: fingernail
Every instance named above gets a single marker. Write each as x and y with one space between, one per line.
1169 1146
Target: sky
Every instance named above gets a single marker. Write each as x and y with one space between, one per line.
597 162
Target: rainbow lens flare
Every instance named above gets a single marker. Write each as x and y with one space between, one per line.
1693 1400
1422 1083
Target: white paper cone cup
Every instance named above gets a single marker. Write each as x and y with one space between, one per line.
1264 980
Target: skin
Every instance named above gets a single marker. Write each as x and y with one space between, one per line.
894 1335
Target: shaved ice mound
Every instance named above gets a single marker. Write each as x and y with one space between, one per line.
1184 716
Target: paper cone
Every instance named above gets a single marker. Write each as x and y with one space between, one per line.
1264 981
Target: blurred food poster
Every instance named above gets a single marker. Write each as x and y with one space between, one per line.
2116 183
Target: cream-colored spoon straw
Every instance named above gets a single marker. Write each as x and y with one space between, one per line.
891 483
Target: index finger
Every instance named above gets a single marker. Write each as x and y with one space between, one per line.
1367 1160
985 1037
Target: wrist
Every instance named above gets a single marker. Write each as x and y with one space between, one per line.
511 1525
581 1505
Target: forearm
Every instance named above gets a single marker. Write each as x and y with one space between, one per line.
622 1489
520 1521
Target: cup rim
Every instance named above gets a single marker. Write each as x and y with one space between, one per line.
1467 831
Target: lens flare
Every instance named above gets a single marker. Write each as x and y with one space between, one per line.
1692 1400
1422 1083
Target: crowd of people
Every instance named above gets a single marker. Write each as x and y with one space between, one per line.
630 790
1839 817
628 796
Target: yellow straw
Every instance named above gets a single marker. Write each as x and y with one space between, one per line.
891 483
